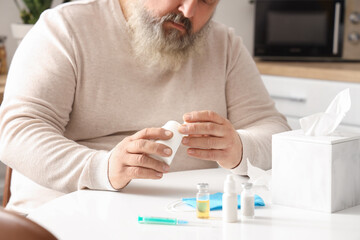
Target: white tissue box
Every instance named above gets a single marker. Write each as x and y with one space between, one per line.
316 172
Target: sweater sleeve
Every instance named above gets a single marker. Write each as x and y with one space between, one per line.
37 105
250 108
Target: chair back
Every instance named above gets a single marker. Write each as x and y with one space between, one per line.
14 226
7 193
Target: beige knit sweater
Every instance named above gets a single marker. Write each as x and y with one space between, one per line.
75 90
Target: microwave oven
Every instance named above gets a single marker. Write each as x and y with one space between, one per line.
326 30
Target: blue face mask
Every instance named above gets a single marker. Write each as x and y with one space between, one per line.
216 201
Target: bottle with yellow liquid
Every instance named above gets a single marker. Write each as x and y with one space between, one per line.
203 201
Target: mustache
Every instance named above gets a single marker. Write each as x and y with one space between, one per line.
179 19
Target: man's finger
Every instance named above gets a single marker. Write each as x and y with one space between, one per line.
142 173
144 161
148 147
207 154
152 133
205 142
203 116
203 128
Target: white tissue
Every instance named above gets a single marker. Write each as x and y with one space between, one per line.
323 124
259 177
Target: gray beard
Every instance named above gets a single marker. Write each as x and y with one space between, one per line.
160 49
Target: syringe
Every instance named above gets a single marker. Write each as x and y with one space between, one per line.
169 221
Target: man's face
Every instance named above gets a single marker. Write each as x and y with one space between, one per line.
166 32
197 11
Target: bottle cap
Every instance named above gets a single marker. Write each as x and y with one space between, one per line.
202 186
229 185
247 185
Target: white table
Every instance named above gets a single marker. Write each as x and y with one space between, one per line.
113 215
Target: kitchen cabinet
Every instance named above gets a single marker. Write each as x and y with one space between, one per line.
302 89
329 71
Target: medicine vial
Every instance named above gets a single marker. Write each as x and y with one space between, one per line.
229 200
203 201
247 201
173 142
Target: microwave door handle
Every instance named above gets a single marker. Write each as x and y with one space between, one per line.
336 28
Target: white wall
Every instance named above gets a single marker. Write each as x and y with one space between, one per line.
8 14
238 14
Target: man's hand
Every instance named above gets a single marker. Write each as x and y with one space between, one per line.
130 158
212 137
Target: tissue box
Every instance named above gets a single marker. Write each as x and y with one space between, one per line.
316 172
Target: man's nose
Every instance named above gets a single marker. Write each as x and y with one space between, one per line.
188 8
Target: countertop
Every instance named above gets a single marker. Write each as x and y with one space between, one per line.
339 71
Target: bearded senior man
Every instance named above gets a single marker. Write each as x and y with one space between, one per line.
93 82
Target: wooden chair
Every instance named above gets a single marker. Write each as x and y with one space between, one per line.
7 193
14 226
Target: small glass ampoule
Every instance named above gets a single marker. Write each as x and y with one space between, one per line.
203 201
247 202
